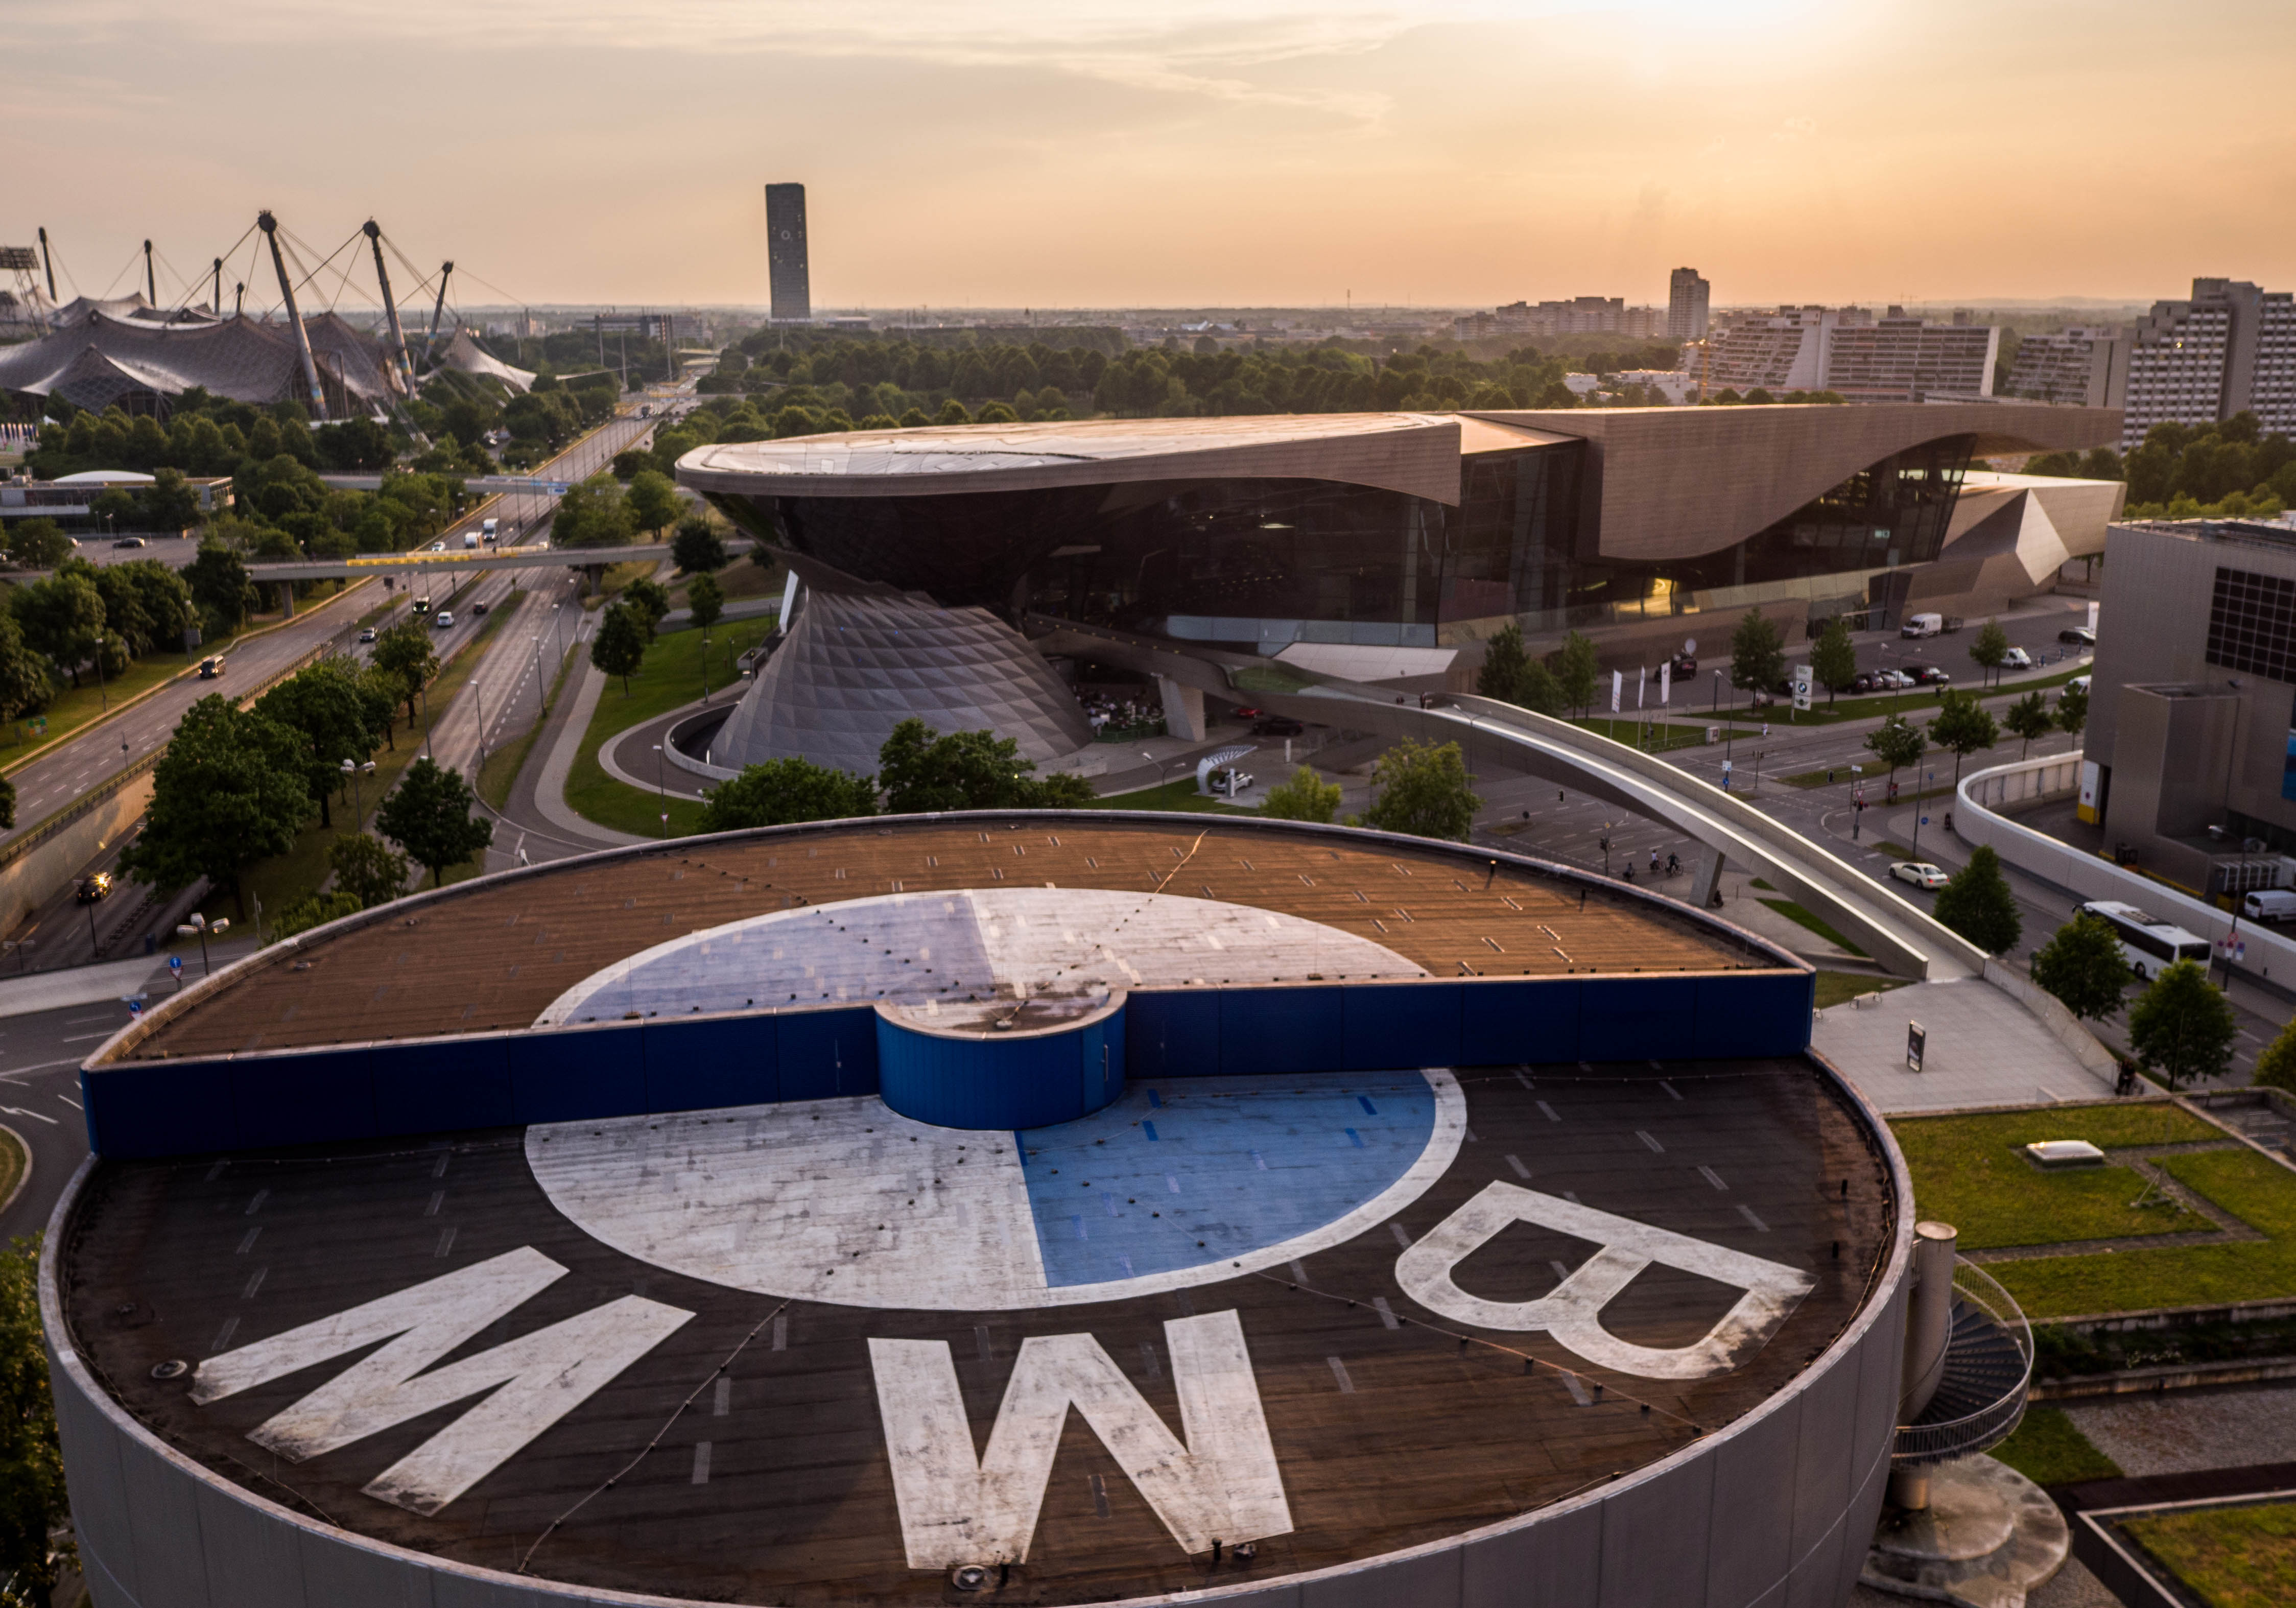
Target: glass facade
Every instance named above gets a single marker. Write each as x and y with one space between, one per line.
1255 564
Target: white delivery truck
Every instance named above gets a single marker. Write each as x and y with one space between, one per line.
470 540
493 528
1923 625
2269 904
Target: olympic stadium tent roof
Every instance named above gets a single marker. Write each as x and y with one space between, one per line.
97 357
467 355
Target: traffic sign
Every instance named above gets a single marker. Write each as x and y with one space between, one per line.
176 965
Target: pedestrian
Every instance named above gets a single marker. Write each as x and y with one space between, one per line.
1629 872
1766 728
1674 864
1654 859
1948 820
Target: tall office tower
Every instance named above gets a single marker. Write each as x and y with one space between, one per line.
2230 349
1685 306
785 259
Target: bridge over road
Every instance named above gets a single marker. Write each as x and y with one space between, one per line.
460 560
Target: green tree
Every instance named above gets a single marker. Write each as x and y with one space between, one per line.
2181 1027
1897 742
698 548
921 771
169 504
37 544
429 815
366 868
705 601
952 412
619 647
1758 653
32 1499
1962 728
649 600
326 706
782 790
2276 1067
220 585
1424 789
1989 647
229 791
2029 717
1976 903
61 617
2082 965
1833 658
1576 671
653 500
1513 676
1304 797
405 652
7 803
312 910
2072 710
592 514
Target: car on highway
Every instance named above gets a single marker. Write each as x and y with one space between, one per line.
129 541
2016 658
94 889
1921 874
480 608
444 619
366 633
2079 636
437 547
211 667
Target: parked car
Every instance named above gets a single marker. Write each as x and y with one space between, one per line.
2272 904
367 635
211 667
2017 658
1684 664
1923 625
2078 681
1921 874
2079 635
1893 680
1276 725
1929 675
94 889
129 541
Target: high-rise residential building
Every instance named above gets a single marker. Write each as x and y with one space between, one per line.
1579 316
2230 349
785 258
1685 306
1893 358
2082 364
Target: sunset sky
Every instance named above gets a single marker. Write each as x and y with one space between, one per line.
1087 154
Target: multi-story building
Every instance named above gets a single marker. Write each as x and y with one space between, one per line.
1686 305
1579 316
785 252
2230 349
1894 358
2085 365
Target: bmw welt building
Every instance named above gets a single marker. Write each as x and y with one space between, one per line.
1363 545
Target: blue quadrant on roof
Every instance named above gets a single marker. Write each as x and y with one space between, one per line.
1236 1165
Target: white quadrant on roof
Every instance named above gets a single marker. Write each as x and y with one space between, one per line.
940 953
1180 1182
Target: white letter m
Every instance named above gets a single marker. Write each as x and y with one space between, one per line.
535 1379
1222 1485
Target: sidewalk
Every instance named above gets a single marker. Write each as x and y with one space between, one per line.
1983 1049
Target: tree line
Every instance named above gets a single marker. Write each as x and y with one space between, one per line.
2228 469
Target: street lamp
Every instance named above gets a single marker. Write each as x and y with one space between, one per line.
358 794
199 927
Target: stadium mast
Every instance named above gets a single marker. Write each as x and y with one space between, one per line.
151 280
270 227
391 305
49 263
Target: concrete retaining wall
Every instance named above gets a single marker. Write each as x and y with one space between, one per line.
46 869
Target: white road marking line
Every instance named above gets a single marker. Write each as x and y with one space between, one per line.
701 1463
1386 1313
722 1400
1747 1212
17 1111
1340 1372
67 1100
87 1037
1713 1177
1521 1171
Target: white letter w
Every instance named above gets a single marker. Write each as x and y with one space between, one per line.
1223 1485
537 1379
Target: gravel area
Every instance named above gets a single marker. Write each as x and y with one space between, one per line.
2187 1431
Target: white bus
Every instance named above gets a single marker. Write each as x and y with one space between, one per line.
2148 943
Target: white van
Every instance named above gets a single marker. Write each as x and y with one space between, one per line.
469 540
2269 904
1923 625
492 528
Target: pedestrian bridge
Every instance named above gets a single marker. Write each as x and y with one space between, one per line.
468 559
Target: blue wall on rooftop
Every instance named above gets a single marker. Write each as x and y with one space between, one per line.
629 1069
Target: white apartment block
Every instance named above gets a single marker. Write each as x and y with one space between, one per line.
1686 298
2086 366
2230 349
1894 358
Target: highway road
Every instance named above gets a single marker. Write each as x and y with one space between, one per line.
61 932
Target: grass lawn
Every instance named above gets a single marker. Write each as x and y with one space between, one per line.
1655 738
2232 1557
1967 1171
288 878
1180 797
1835 987
2258 1191
1915 703
13 1162
671 676
1805 918
2048 1451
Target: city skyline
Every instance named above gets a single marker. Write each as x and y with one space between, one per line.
1453 153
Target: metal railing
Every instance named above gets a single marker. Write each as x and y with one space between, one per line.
1988 1359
